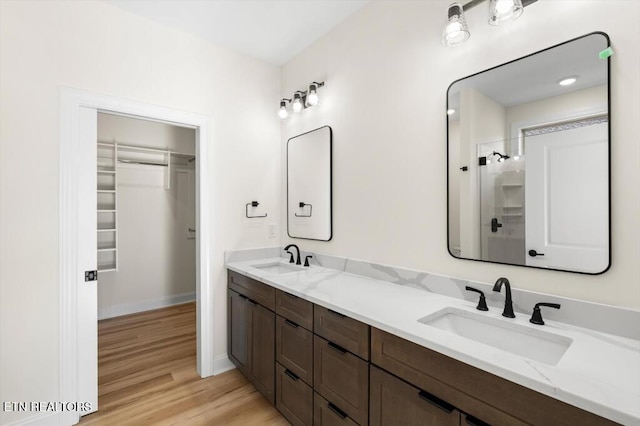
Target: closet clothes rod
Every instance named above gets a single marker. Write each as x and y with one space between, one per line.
145 163
127 147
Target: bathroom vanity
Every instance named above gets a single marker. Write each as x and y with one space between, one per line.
333 348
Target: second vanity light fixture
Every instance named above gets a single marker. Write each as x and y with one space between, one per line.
456 30
301 100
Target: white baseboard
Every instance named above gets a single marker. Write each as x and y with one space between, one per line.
42 419
146 305
221 364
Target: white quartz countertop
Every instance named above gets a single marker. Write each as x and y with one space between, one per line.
599 372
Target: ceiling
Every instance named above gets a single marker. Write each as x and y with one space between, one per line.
272 30
536 77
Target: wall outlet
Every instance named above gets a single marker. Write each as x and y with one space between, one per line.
271 230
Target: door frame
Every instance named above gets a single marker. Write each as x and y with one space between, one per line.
71 100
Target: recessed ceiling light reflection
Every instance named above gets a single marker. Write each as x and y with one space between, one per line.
568 81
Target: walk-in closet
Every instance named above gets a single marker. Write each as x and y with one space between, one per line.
146 215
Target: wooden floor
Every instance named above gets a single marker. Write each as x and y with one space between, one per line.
147 376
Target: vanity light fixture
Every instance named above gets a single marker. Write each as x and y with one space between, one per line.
312 93
502 11
301 100
456 31
568 81
282 112
297 105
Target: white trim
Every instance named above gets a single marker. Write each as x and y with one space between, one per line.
545 119
43 419
222 363
70 102
145 305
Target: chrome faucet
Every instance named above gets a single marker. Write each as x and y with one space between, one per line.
508 303
298 262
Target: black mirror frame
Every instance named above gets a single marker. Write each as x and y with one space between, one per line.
608 59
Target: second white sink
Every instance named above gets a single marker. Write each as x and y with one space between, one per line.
278 267
537 345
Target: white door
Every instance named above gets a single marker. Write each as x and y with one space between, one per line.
87 307
567 199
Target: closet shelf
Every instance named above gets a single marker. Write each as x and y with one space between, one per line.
106 208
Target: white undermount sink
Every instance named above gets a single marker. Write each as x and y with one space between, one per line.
528 342
278 267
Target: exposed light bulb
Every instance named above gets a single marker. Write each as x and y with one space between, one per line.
282 112
297 105
502 11
312 97
451 111
455 31
516 157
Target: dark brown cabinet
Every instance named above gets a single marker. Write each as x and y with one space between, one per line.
239 325
326 413
312 363
294 398
295 309
346 332
395 402
251 342
263 350
294 348
342 378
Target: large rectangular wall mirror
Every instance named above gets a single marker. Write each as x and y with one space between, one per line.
309 185
529 159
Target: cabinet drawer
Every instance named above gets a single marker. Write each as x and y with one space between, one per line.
328 414
294 398
342 378
254 290
394 402
342 330
495 400
294 309
294 348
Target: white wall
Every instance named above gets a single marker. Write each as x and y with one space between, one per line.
156 253
93 46
386 80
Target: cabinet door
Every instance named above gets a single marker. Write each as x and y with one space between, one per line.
396 402
342 378
239 330
294 348
262 353
294 398
326 413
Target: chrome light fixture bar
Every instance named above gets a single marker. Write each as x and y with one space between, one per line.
301 100
456 31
